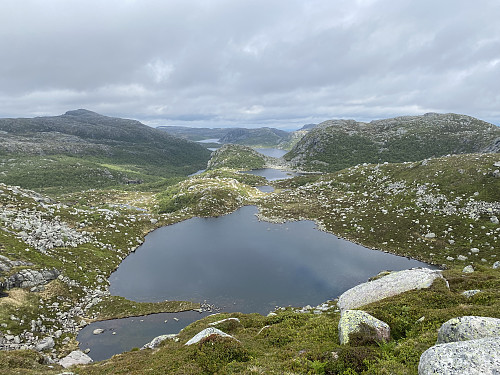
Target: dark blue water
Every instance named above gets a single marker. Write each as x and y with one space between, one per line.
241 264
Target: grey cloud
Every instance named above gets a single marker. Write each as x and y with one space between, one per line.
253 62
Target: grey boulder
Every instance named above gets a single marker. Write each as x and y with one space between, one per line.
45 344
76 357
208 332
352 321
158 340
387 286
472 357
468 328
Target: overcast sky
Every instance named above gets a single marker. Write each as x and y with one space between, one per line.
281 63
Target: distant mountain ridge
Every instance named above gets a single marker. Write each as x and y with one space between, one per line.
337 144
99 140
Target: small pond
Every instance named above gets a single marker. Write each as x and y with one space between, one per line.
273 152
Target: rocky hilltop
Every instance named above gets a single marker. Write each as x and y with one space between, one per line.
337 144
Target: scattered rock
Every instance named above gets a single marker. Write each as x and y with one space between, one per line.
494 219
387 286
98 331
158 340
468 328
470 293
461 257
207 332
496 265
468 269
29 278
76 357
45 344
352 322
472 357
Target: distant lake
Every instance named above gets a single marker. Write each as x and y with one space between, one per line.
272 174
237 263
273 152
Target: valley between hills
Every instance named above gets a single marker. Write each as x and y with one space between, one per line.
79 192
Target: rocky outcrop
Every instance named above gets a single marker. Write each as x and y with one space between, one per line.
361 323
29 278
76 357
468 328
208 332
470 357
387 286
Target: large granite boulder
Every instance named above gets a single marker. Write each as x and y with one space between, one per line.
468 328
471 357
361 323
208 332
387 286
76 357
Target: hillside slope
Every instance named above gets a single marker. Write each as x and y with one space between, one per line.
337 144
115 149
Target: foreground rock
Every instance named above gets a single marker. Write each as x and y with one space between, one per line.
76 357
387 286
208 332
361 323
468 328
470 357
29 278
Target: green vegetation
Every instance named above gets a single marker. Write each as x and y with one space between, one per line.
338 144
208 194
236 157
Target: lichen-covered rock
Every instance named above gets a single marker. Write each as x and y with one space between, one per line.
352 321
76 357
468 328
208 332
387 286
481 356
158 340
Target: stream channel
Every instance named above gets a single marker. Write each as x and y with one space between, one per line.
236 263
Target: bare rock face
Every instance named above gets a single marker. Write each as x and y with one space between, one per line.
387 286
468 328
469 357
355 321
29 278
208 332
76 357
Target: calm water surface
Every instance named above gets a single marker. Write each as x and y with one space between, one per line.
241 264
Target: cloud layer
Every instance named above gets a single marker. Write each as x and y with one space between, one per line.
250 62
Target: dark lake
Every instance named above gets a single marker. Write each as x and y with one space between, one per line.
237 263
